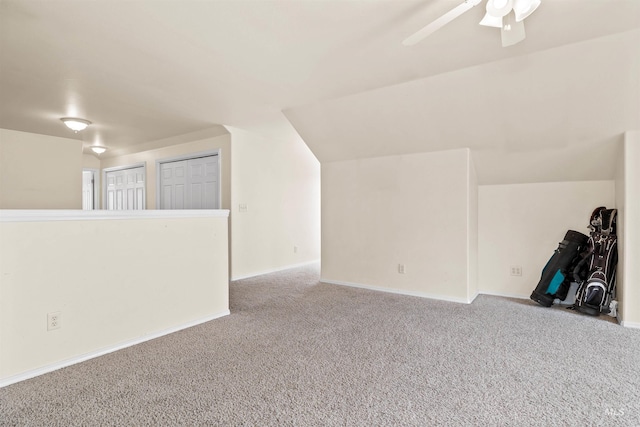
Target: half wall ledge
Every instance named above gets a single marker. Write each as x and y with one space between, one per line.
19 215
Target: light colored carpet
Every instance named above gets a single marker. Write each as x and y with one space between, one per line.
298 352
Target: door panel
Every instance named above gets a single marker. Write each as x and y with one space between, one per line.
167 198
196 196
173 182
131 197
204 182
119 200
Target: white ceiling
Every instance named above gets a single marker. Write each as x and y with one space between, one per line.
148 70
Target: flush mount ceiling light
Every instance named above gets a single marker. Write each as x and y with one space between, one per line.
75 124
98 149
504 14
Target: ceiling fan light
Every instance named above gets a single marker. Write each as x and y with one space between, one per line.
491 21
98 149
524 8
499 8
75 124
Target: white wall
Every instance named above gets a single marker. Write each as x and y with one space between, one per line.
628 204
150 157
621 206
472 229
39 171
522 224
89 161
278 180
412 210
170 273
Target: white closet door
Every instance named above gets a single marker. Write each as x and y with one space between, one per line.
203 183
189 184
135 189
126 189
173 185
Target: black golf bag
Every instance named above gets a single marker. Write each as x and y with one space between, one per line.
597 286
557 274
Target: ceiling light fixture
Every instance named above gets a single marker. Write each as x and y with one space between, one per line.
508 15
98 149
512 31
75 124
499 8
499 15
491 21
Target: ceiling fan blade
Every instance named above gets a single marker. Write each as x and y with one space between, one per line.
440 22
512 31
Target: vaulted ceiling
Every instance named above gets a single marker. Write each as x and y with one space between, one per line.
334 72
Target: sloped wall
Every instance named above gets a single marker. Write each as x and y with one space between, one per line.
550 116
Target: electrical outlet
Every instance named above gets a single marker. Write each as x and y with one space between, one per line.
516 270
242 207
54 321
401 268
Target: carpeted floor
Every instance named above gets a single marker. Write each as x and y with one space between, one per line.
296 352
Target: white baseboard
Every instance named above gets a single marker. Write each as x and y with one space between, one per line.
110 349
275 270
634 325
504 295
398 291
473 298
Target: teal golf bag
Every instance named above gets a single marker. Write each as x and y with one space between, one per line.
557 275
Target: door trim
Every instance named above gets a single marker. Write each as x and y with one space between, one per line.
143 165
190 156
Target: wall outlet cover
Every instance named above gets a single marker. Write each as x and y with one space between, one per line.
54 321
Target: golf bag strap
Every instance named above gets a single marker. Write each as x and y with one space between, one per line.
576 271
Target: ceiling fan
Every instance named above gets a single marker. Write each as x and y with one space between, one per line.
508 15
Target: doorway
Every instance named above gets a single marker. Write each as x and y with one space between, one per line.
90 189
